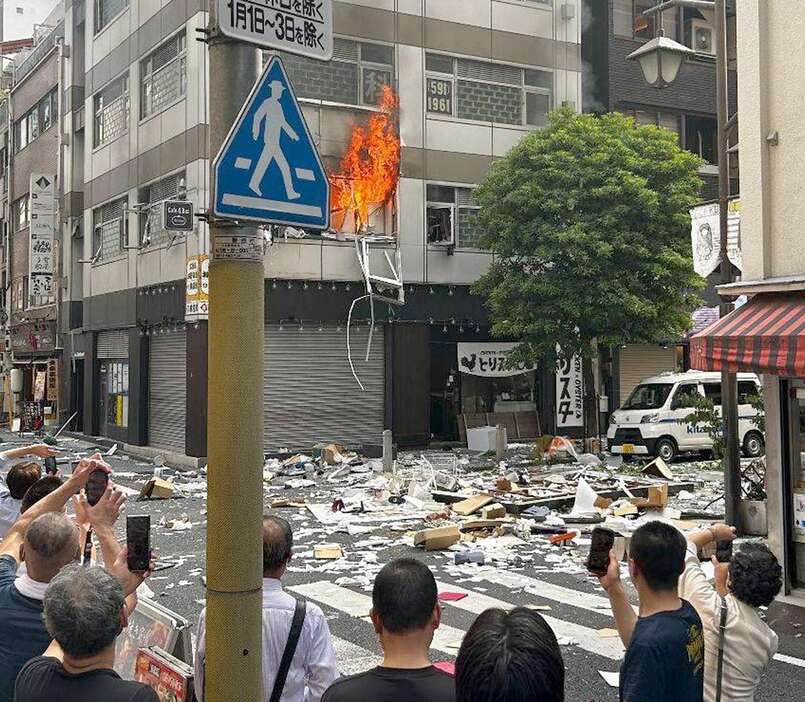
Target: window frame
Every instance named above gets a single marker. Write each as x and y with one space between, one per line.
22 127
148 77
97 243
674 24
524 88
455 210
144 196
97 29
96 113
16 209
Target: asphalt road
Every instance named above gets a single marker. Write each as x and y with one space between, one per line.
533 574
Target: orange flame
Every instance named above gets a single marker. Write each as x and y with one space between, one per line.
370 168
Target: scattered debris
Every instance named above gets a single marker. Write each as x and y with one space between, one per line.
156 489
438 538
326 552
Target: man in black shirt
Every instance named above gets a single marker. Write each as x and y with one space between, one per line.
665 645
405 614
84 612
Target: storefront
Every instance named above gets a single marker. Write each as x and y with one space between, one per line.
167 389
767 336
33 345
113 383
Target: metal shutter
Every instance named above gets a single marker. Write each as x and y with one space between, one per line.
641 361
167 391
309 394
113 344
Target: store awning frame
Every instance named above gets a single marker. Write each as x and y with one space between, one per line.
766 335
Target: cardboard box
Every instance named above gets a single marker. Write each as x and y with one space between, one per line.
472 504
493 511
481 439
437 539
327 552
658 469
156 489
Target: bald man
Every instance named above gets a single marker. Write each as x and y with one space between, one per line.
313 666
47 540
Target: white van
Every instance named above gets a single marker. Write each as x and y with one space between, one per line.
648 423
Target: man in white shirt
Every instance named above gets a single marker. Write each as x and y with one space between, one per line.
752 579
313 666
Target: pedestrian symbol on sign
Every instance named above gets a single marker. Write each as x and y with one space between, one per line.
268 168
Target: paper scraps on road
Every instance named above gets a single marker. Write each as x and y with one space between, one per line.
611 679
585 499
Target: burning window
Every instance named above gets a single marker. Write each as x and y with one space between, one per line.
369 170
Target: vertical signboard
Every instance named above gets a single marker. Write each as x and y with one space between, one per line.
569 392
197 288
41 258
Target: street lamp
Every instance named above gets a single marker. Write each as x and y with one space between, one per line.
656 57
660 59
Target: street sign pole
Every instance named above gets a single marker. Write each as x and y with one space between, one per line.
235 413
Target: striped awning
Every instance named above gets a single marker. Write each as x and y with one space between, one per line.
766 335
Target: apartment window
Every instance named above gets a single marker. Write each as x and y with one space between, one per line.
164 75
452 217
355 76
20 213
701 137
109 230
37 120
106 11
488 92
666 120
111 110
152 228
630 22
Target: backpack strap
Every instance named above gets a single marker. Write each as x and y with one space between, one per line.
722 632
290 650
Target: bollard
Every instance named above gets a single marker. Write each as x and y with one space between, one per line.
388 452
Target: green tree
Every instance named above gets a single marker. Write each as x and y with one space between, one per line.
589 226
709 418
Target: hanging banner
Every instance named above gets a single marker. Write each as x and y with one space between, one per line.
706 237
569 392
197 288
488 360
41 259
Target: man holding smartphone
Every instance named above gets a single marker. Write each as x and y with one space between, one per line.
748 579
664 645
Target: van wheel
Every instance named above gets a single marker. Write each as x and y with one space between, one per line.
754 445
665 449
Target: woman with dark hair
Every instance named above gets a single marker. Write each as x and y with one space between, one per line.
751 579
510 657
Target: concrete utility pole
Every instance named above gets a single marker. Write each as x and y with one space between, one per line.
235 416
729 384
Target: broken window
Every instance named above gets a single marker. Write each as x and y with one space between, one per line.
701 137
452 217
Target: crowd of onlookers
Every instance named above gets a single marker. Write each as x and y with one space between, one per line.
691 638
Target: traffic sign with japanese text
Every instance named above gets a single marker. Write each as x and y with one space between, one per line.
302 27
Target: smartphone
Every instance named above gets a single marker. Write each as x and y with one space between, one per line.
603 540
724 551
138 542
50 465
96 486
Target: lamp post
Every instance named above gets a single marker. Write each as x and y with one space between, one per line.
660 59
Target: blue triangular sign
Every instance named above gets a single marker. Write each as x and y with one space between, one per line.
268 168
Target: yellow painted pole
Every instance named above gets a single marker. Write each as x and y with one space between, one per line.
235 418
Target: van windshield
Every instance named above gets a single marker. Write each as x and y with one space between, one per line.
650 396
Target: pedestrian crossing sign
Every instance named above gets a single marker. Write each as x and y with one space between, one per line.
268 169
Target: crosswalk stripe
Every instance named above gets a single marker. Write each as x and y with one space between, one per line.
790 659
587 638
446 639
541 588
352 658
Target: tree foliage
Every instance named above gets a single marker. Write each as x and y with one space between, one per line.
706 415
589 226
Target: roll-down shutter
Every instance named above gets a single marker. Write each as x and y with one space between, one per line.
113 344
641 361
167 391
309 394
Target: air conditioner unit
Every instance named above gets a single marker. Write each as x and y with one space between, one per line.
702 37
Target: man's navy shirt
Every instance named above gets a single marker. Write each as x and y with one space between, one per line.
665 658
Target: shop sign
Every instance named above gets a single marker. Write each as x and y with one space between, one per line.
706 237
33 338
42 238
489 360
197 288
569 392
